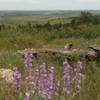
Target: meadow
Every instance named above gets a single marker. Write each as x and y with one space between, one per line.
53 30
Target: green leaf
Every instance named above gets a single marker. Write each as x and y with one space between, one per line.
20 97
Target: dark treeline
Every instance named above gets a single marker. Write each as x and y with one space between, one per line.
86 18
47 25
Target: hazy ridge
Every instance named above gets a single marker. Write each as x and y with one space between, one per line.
44 13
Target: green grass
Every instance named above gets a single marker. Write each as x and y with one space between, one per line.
15 20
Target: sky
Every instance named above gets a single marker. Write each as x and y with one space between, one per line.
49 4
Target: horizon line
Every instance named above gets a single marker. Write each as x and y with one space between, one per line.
49 10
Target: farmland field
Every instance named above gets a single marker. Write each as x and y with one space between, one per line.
49 29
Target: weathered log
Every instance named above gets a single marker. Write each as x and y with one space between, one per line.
91 55
52 51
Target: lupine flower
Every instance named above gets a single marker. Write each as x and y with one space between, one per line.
78 76
16 77
79 67
43 81
28 60
50 82
67 78
27 95
28 73
28 81
29 78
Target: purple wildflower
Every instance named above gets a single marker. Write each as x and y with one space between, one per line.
28 73
28 60
43 81
78 77
27 95
50 82
29 78
16 77
67 78
79 67
67 67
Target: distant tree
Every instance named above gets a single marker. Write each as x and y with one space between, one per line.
86 18
47 25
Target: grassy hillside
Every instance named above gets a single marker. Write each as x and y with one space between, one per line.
20 30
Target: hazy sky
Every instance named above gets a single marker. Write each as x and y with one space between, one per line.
49 4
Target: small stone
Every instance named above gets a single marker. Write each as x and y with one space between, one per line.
6 74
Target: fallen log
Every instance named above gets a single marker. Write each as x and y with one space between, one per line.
48 50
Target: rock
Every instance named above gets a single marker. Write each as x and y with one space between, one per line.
97 47
91 55
6 74
95 54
